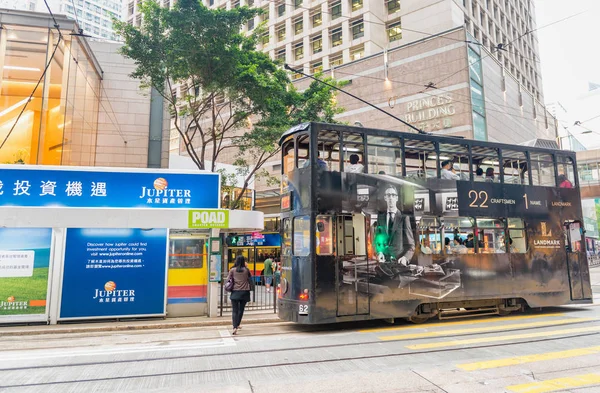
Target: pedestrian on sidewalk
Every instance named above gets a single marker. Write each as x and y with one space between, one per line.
268 272
241 290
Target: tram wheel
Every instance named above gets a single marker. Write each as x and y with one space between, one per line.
417 319
503 311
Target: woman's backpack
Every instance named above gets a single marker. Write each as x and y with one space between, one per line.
230 282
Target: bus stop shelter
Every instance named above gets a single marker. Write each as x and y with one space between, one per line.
91 243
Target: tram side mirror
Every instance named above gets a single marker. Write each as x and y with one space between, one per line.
320 226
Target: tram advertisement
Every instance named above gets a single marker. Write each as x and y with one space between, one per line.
447 239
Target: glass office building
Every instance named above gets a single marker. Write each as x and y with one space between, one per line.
59 124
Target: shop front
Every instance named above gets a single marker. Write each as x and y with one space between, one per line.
96 243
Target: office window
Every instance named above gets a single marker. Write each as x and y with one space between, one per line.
393 6
298 51
280 55
250 3
394 31
316 18
250 24
356 4
297 4
336 36
316 44
298 25
130 9
357 53
235 4
280 32
265 38
281 9
358 28
316 67
336 60
335 9
264 15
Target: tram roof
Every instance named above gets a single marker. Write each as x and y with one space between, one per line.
527 146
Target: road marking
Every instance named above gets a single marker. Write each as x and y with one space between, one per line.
458 323
553 385
486 329
225 341
502 338
571 353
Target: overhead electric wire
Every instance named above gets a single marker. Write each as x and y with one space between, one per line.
501 46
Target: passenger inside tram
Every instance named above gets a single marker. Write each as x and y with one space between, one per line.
447 171
479 174
425 246
563 182
354 166
489 175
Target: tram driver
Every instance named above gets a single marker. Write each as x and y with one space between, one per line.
400 245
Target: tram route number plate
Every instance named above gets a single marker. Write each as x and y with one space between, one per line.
303 309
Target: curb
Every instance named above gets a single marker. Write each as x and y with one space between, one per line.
149 326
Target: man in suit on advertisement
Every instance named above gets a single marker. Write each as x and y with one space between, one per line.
400 238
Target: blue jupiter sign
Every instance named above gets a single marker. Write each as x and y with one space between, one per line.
36 186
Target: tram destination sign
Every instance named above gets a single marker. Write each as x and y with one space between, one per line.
509 200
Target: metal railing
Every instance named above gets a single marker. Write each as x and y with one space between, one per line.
261 298
594 260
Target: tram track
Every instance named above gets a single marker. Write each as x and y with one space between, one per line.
296 349
270 365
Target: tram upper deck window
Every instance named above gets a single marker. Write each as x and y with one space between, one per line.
354 153
329 150
301 236
420 159
542 169
458 155
486 165
288 156
458 235
491 236
516 236
515 167
303 143
385 155
566 171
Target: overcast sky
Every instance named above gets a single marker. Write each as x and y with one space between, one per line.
570 58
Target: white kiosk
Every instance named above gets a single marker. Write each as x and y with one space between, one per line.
89 243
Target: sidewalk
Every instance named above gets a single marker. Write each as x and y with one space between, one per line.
145 324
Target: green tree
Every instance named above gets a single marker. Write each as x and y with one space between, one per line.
236 97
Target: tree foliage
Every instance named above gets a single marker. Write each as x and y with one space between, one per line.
237 98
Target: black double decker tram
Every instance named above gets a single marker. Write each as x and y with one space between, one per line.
381 224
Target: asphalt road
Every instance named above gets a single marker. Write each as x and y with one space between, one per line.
553 350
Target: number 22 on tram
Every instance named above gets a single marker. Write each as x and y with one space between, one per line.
381 224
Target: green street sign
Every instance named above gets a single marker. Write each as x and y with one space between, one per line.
208 218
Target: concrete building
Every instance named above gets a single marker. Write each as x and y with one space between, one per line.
86 109
93 16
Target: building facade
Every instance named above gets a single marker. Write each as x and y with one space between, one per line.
93 16
86 110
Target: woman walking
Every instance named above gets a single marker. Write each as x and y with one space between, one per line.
241 290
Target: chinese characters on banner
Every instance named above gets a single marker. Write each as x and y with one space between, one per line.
77 188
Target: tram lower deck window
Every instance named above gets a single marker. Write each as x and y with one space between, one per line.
301 236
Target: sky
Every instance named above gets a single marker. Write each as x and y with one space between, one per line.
570 59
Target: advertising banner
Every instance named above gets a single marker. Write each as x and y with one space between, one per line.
208 218
24 266
90 188
114 273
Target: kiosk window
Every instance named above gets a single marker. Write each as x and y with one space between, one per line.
301 236
186 253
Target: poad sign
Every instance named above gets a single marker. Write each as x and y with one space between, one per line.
208 218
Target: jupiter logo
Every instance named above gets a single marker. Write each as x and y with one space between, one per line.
10 299
160 184
110 286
